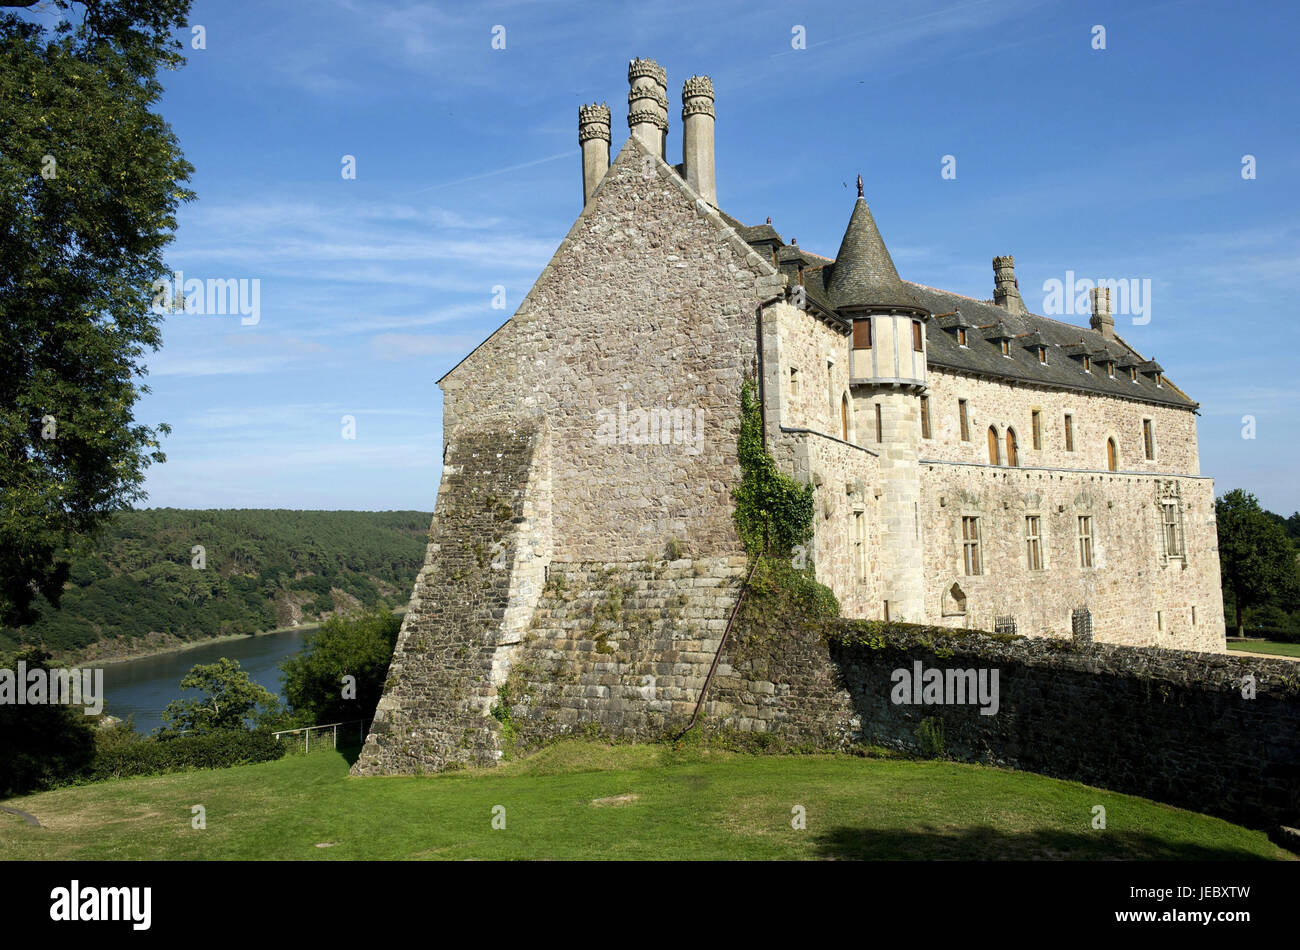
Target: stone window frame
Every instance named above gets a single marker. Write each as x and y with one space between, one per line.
1149 438
1034 542
860 543
1036 427
1067 426
1087 541
1169 496
926 431
794 383
972 554
963 418
880 424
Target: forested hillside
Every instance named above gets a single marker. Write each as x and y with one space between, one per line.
256 570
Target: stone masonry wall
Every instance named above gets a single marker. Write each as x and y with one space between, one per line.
1136 596
647 307
481 580
1169 725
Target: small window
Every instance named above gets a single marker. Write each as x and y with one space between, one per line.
917 343
1160 380
1133 373
862 334
860 544
1172 520
961 336
1042 354
1112 455
1069 432
965 426
1087 365
1037 419
1148 439
1085 540
925 417
844 415
995 456
1013 455
886 611
880 425
970 544
1160 620
1006 347
1110 370
1034 542
794 382
1193 615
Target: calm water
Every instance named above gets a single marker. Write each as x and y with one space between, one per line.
144 687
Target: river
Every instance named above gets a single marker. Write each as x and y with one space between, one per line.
144 687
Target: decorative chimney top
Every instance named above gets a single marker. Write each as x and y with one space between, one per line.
1101 320
1006 289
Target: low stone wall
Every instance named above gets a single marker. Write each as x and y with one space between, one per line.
1173 726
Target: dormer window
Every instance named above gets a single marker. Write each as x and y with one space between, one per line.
961 336
1087 364
1006 347
1160 380
1133 373
1042 355
1110 370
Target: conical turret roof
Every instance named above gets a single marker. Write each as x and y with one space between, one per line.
864 274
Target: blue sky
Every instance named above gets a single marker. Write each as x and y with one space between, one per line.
1124 162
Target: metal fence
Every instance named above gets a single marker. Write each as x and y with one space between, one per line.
316 738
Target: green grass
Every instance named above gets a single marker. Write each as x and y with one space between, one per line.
689 804
1274 647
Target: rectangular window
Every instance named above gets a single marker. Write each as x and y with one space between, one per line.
1193 615
1085 540
880 426
1042 354
1160 620
1133 373
1148 439
1069 432
860 543
970 545
1087 365
965 426
925 417
961 336
794 382
1037 419
916 336
1006 347
1171 518
862 334
886 611
1034 542
1110 370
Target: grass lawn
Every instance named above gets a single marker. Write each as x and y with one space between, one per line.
681 804
1274 647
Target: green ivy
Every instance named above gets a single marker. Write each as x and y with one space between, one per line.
774 513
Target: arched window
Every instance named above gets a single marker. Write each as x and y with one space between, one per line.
844 415
1112 455
1013 458
993 446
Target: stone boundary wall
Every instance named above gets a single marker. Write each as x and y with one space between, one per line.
1167 725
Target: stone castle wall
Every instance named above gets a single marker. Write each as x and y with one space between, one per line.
1169 725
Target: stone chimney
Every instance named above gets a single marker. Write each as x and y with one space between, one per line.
697 137
647 104
1006 289
1101 320
593 137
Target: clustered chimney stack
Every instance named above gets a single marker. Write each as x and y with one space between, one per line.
697 137
593 137
1006 289
1102 321
647 104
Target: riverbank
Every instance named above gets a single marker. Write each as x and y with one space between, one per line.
105 652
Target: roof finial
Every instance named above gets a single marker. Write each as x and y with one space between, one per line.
859 186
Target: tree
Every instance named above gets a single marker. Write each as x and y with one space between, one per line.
90 180
44 744
1256 560
360 646
231 700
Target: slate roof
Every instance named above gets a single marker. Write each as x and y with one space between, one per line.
863 274
983 353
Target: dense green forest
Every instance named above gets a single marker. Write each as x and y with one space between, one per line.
258 569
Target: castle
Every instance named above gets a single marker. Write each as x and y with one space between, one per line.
974 464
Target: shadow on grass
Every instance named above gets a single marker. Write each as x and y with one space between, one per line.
992 844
